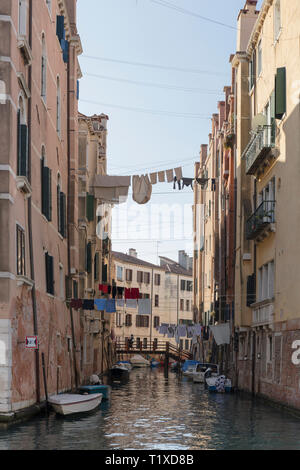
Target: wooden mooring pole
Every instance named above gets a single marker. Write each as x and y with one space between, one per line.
167 359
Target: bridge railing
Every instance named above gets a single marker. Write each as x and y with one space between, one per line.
161 347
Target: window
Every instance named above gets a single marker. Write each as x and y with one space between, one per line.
22 140
182 284
145 343
266 282
22 17
280 93
88 257
129 275
156 301
269 348
259 58
58 107
187 305
147 278
49 274
48 3
142 321
61 282
187 345
157 279
96 266
128 320
46 188
119 273
139 276
61 209
277 20
118 319
252 71
181 305
189 286
156 322
43 70
21 271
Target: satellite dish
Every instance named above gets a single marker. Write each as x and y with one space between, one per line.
258 121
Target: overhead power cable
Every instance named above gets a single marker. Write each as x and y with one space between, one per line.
155 66
149 111
166 4
156 85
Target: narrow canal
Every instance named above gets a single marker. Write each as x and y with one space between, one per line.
150 412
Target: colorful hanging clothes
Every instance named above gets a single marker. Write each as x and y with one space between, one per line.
187 182
88 304
120 303
141 189
144 307
176 180
110 306
100 304
131 303
76 304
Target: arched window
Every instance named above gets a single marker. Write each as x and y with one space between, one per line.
44 69
277 19
58 107
48 3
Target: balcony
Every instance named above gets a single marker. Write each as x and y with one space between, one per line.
263 313
261 222
258 151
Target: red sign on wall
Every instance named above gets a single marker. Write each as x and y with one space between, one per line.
31 342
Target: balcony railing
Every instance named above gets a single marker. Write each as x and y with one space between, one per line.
261 220
259 146
263 314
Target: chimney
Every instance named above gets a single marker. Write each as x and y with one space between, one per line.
245 23
132 252
203 154
183 259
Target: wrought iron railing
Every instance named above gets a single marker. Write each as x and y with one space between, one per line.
263 216
260 144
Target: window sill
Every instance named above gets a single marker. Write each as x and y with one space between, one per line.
23 185
24 281
24 47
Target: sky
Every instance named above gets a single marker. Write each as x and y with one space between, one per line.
157 68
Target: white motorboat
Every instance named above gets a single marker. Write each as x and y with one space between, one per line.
125 364
213 386
68 403
202 368
139 361
189 372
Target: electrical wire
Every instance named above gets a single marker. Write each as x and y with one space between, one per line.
155 66
171 6
156 85
149 111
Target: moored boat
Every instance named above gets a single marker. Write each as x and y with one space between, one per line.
204 368
219 384
119 372
71 403
139 361
92 389
126 364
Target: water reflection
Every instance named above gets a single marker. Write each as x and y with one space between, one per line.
151 412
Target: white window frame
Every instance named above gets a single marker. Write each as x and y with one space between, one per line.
259 58
277 20
120 270
22 25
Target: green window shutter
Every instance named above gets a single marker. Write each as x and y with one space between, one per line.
23 150
89 207
46 192
96 267
104 272
88 258
280 93
49 274
62 214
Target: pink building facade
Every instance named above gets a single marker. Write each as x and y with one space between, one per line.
39 73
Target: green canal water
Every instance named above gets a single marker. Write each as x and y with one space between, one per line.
150 412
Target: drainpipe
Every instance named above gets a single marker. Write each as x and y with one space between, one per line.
151 318
29 209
